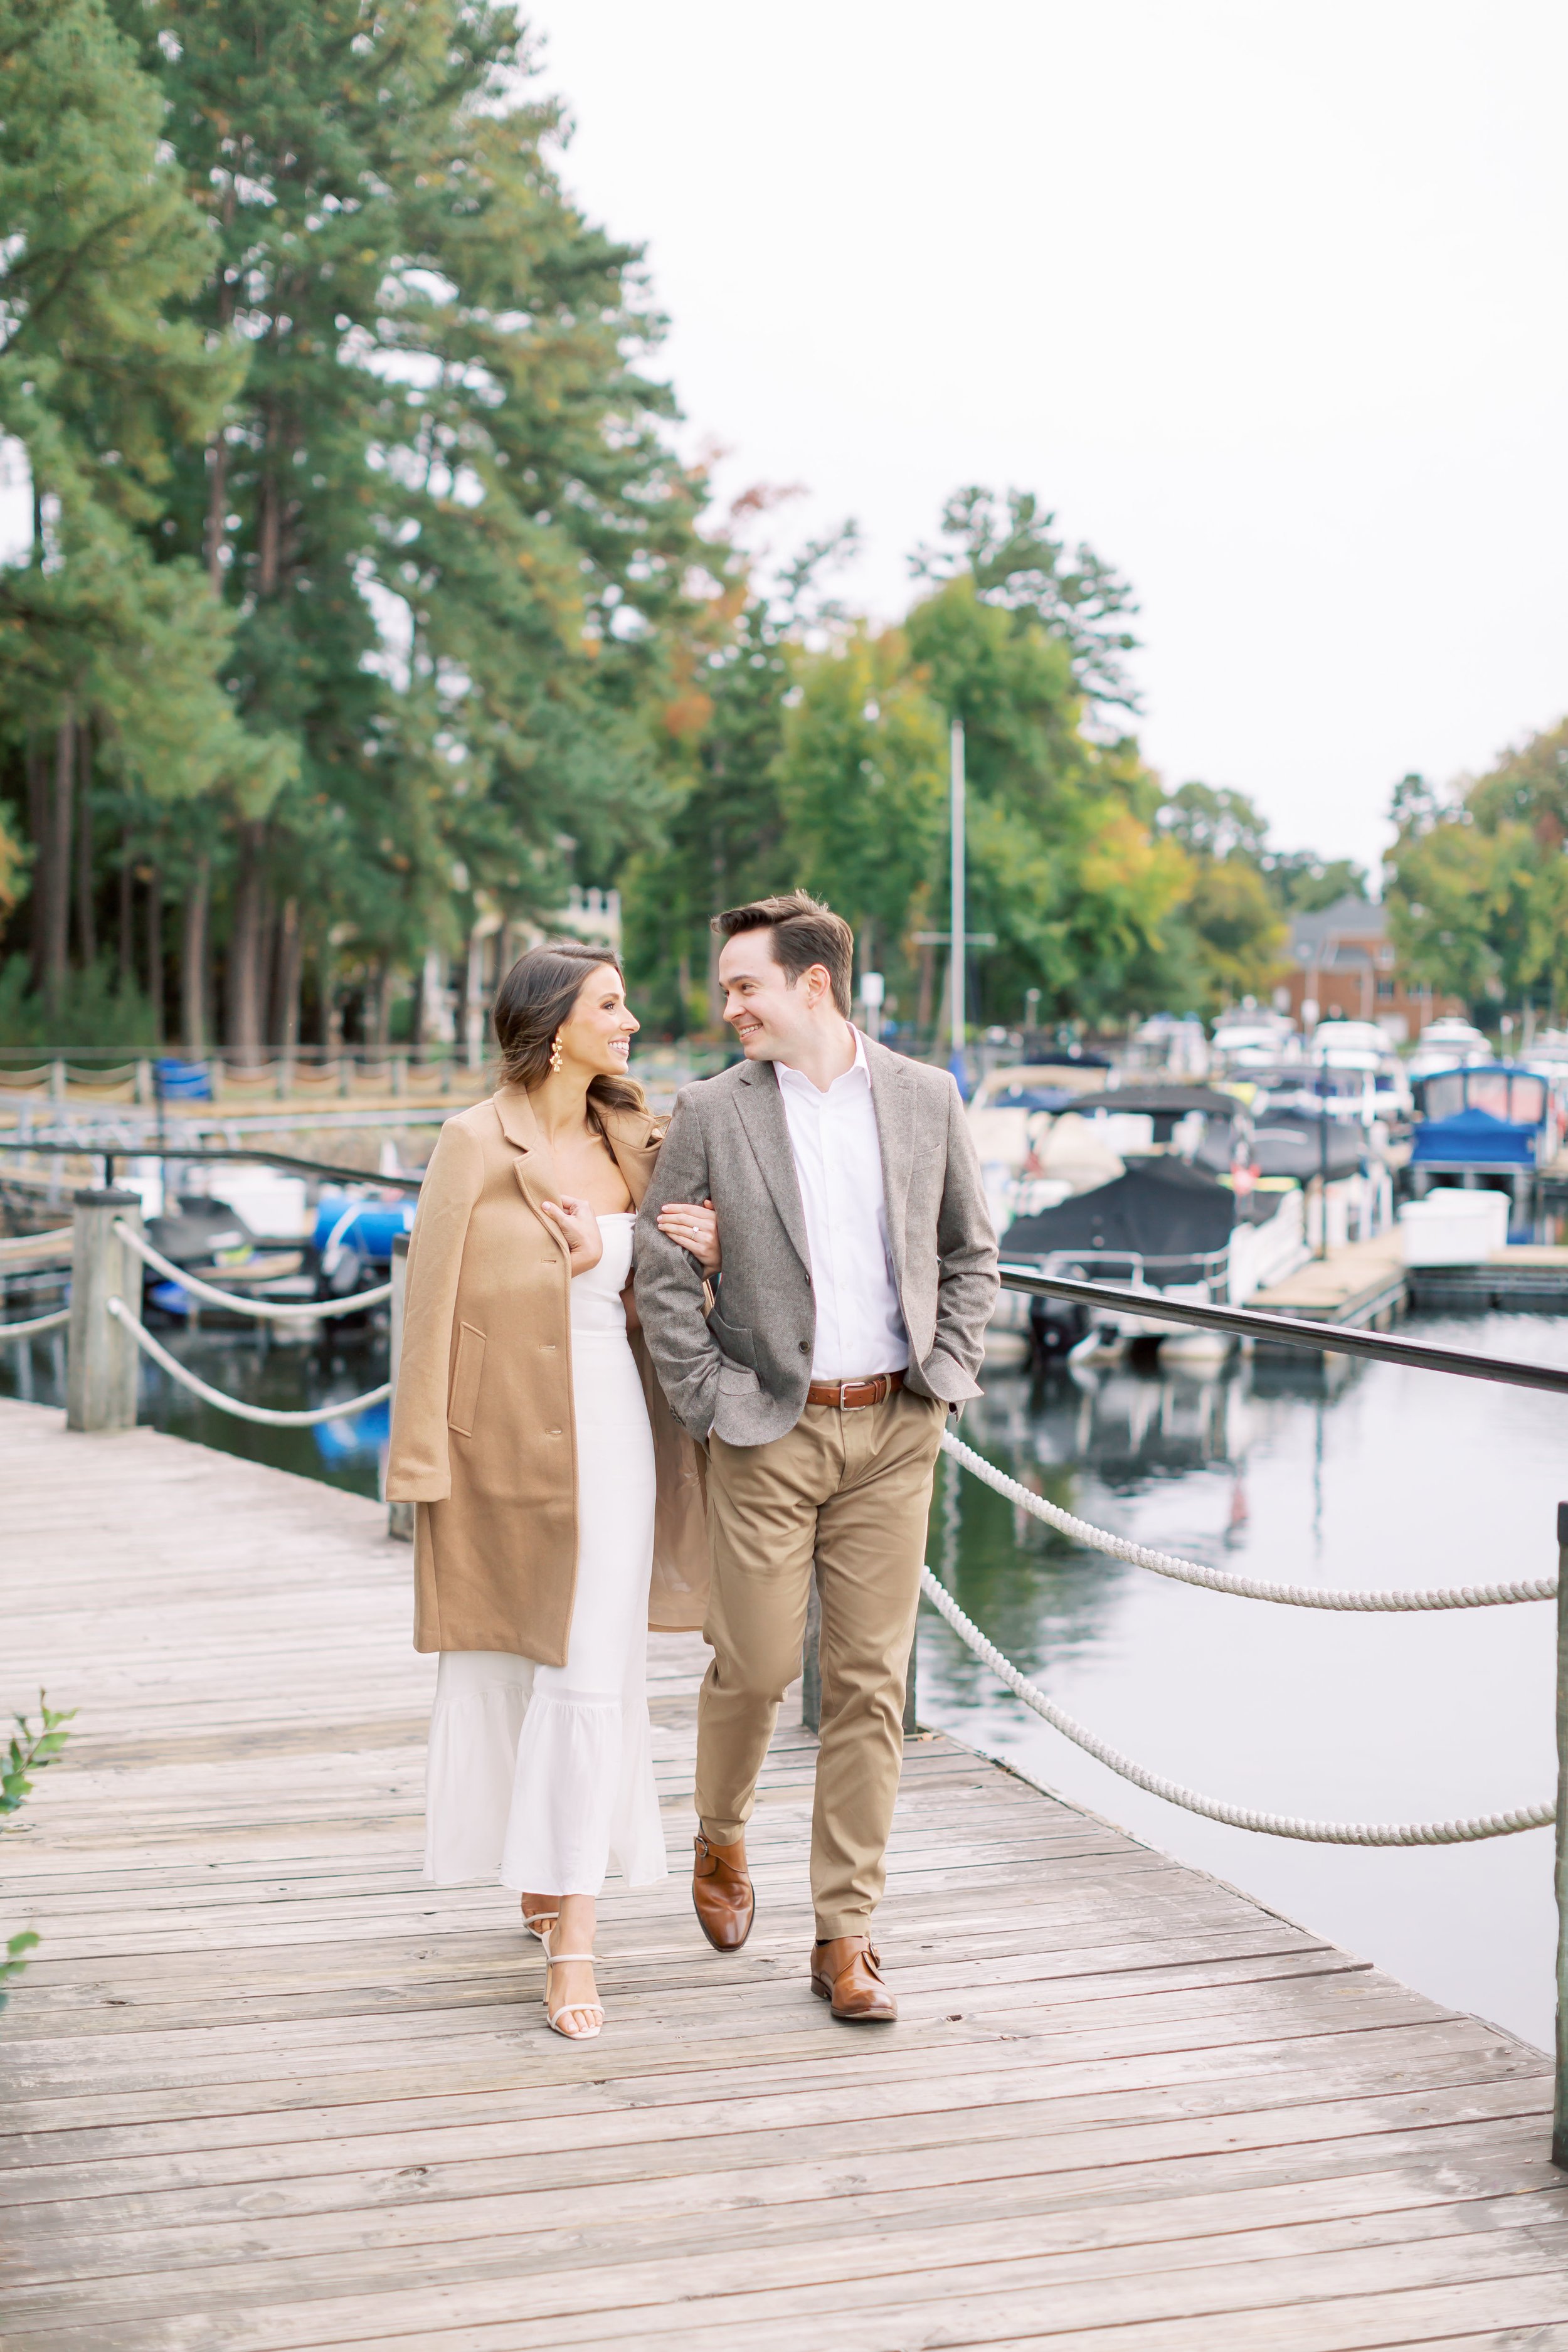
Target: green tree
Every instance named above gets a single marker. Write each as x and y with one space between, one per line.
436 513
108 653
863 785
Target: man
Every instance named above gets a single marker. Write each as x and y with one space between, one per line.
859 1271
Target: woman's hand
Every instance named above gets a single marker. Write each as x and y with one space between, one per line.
694 1229
579 1228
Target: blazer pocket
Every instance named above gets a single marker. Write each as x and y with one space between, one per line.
738 1377
734 1339
466 1373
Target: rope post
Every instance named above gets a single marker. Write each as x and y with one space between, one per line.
399 1516
1559 2105
101 1368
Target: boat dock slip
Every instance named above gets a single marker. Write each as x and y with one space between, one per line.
262 2089
1358 1281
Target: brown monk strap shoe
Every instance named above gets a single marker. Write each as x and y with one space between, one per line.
722 1894
848 1971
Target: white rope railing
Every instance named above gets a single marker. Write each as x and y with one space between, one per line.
1238 1817
265 1310
36 1323
264 1414
1221 1580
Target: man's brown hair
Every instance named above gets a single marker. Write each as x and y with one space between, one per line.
805 932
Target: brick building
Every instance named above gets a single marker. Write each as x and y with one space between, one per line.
1342 960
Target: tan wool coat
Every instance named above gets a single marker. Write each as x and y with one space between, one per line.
483 1440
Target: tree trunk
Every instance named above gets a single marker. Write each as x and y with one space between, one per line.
86 926
243 1008
155 950
56 875
291 960
923 1005
37 833
127 913
193 959
378 1004
265 943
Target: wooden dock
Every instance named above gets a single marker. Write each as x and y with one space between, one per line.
263 2090
1358 1281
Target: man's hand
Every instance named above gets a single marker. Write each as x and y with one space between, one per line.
693 1228
579 1228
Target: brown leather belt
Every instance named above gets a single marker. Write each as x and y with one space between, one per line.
850 1393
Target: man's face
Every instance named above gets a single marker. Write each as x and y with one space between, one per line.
769 1014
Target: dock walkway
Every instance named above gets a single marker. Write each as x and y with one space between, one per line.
265 2090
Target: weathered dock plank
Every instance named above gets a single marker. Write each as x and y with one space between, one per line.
263 2090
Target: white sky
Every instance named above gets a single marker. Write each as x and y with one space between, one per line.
1266 301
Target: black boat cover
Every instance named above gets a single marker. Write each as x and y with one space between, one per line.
1159 1209
1287 1146
1169 1101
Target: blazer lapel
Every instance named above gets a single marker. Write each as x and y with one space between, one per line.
893 1099
767 1132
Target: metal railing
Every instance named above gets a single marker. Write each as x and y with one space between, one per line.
1321 1339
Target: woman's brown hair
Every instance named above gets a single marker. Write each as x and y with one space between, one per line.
532 1001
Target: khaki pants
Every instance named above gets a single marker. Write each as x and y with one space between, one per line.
848 1492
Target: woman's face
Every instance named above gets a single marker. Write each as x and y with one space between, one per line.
597 1034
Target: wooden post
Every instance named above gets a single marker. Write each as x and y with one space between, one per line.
399 1516
1560 2107
101 1368
811 1668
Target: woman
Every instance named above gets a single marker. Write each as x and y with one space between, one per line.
553 1486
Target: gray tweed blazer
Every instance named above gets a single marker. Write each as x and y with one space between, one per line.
743 1370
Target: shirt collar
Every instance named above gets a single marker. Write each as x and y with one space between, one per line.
796 1082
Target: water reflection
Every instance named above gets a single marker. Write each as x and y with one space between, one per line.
1302 1470
260 1367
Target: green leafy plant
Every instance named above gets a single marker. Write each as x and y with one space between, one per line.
29 1751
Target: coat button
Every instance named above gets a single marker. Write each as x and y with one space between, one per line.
803 1348
553 1433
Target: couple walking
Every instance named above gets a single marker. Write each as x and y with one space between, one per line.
591 1451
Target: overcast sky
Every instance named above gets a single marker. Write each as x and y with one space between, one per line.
1266 301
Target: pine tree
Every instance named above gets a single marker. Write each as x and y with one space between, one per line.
108 654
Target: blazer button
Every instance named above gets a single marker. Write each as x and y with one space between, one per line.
803 1348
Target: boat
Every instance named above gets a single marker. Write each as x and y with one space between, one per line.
1488 1120
1247 1040
1166 1226
1447 1045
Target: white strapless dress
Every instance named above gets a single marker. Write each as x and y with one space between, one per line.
543 1775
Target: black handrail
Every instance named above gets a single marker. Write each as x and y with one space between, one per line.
269 1159
1287 1331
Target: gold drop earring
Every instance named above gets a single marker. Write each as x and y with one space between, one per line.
555 1054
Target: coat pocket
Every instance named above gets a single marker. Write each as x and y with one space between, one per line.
466 1373
734 1339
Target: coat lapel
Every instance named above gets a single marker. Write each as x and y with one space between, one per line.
632 1141
893 1098
767 1132
635 1143
533 1168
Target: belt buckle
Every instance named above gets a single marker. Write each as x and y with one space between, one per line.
865 1393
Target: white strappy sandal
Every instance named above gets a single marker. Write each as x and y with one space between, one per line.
590 2007
540 1923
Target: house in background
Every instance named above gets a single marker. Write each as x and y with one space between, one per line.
1342 960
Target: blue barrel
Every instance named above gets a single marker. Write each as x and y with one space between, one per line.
371 1229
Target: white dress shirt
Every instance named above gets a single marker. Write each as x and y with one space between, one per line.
839 1160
